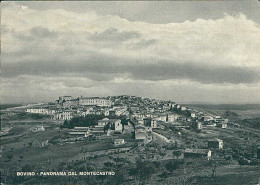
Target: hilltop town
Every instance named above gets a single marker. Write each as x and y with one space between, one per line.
149 140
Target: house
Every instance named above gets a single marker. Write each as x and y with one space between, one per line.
161 118
70 103
221 120
207 118
182 118
97 130
103 122
154 123
116 125
64 98
183 108
64 115
119 141
166 107
80 131
138 116
140 121
192 114
197 125
112 113
128 128
172 117
119 111
222 125
140 132
38 143
67 102
38 129
197 153
106 112
215 143
149 122
41 111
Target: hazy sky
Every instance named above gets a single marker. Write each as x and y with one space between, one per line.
183 51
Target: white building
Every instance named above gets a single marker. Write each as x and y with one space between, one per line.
119 141
38 129
192 114
140 132
183 108
41 111
65 115
95 101
115 124
172 117
154 123
103 122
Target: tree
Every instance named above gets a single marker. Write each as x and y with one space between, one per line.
21 157
214 164
9 156
27 168
177 154
106 127
142 171
172 165
124 121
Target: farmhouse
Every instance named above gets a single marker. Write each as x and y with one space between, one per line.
215 143
119 141
222 125
197 153
38 129
80 131
38 143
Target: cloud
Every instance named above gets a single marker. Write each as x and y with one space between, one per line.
35 88
113 35
109 49
105 68
36 33
144 43
41 32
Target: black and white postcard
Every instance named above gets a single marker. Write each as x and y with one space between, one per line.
130 92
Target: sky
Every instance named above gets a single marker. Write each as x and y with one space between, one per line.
184 51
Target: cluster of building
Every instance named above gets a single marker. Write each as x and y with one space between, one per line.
69 102
145 117
66 107
104 127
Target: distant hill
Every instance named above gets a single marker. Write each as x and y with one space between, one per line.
6 106
23 116
231 115
226 106
250 122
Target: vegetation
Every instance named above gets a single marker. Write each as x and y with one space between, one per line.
24 116
6 106
142 171
250 122
181 112
172 165
231 115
